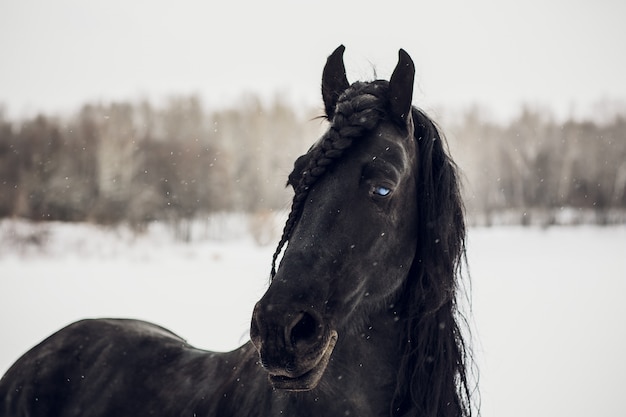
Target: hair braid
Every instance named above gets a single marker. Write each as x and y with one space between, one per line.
358 111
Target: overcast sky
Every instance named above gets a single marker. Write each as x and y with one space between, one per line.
566 55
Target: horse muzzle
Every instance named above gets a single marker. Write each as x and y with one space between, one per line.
294 347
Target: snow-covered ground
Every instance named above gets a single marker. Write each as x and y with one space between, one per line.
548 304
550 311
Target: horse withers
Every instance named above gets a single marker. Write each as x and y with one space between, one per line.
360 317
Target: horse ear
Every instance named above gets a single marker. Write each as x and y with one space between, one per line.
401 87
334 81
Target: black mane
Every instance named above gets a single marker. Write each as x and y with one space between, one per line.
433 378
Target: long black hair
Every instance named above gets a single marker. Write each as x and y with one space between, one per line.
434 377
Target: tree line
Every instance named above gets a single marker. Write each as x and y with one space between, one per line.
537 166
137 162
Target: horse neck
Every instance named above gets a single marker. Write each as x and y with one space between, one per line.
376 333
365 362
375 358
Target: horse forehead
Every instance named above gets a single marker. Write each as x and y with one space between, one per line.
389 143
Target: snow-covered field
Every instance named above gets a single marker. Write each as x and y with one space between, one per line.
549 306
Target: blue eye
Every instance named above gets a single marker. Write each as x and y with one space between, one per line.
381 190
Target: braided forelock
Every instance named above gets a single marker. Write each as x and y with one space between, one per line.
359 110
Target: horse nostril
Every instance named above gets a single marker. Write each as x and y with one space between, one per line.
304 329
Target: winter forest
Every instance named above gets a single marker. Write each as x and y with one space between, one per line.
138 162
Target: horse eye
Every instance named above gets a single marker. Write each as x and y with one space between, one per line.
381 190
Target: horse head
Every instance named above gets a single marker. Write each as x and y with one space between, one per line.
352 230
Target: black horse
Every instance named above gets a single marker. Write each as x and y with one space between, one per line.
360 318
